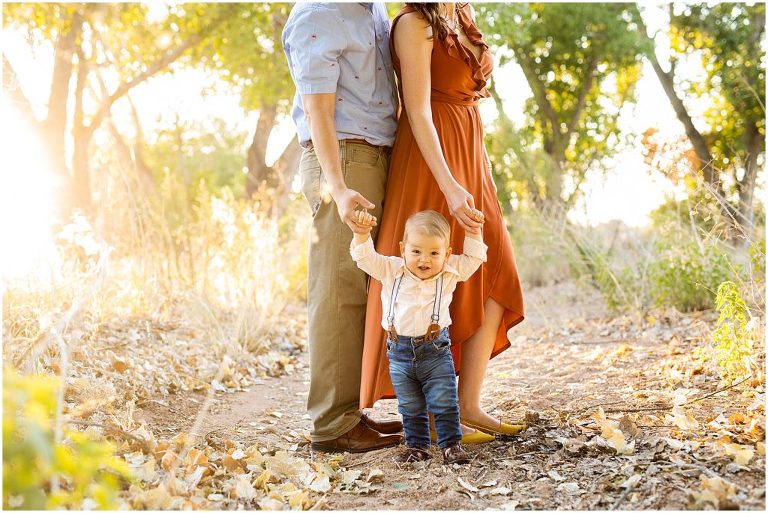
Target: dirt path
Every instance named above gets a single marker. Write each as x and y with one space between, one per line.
568 359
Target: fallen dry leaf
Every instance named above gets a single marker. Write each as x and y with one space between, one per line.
714 492
612 434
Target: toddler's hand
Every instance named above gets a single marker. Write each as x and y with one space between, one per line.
478 216
364 222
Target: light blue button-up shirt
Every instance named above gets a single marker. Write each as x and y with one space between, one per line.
343 48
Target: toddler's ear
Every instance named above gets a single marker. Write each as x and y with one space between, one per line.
448 253
402 249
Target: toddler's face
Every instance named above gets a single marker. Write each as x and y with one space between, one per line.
424 255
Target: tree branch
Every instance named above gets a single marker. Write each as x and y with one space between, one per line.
539 93
700 146
158 66
588 80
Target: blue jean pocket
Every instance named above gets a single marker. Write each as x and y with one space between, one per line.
441 343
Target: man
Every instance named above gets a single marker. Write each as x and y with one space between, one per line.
344 110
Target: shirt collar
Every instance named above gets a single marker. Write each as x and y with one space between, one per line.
447 268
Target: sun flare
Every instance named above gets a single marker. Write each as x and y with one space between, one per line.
26 200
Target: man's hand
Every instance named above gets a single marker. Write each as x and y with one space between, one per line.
347 200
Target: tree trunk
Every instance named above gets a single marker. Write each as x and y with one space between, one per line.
746 186
81 178
260 175
80 189
553 198
700 146
55 124
286 168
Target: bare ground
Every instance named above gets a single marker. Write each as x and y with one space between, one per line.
688 441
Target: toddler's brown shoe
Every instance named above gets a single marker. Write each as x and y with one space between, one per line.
455 453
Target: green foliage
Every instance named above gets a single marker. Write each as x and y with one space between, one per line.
620 287
727 37
33 460
210 155
582 62
616 262
757 260
247 50
685 275
735 334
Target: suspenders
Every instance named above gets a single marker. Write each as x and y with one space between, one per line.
434 328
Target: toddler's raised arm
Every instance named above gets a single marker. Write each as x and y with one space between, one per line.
475 253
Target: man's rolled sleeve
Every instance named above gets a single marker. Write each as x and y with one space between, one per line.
314 44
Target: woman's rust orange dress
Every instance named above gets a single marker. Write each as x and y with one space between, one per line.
458 82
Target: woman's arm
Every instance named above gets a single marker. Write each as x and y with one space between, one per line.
414 49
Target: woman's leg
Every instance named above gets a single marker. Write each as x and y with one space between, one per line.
474 361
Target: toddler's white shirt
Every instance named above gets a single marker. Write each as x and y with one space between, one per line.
416 297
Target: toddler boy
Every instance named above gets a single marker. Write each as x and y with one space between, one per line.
417 289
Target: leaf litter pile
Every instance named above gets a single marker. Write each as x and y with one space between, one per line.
624 413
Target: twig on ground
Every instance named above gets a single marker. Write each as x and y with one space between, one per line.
606 341
700 468
659 408
481 474
623 496
358 463
319 502
637 410
590 407
718 391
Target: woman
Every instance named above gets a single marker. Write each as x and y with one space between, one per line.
439 162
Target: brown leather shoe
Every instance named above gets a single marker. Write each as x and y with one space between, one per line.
388 427
360 438
455 453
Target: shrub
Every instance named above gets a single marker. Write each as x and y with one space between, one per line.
539 253
735 334
686 275
86 472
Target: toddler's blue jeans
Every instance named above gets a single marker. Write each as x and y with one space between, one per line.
424 380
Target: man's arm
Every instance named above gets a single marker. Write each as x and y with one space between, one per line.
320 111
314 39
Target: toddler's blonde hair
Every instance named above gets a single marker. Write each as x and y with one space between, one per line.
428 222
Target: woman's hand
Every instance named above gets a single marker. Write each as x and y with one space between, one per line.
461 204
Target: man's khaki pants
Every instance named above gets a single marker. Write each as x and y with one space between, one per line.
337 294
